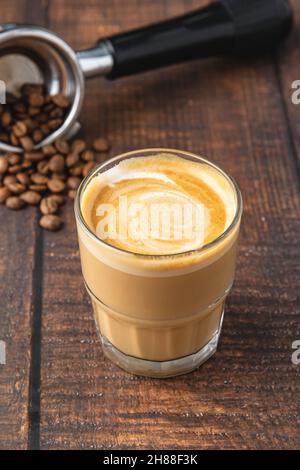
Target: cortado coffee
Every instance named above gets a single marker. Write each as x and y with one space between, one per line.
158 234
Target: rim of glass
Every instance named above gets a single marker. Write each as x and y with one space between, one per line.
79 217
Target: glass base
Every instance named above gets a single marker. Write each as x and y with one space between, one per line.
158 369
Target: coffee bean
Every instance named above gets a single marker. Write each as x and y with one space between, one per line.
51 222
3 165
37 136
16 188
101 145
14 202
34 156
4 194
78 146
76 170
19 107
29 88
45 129
39 188
87 168
33 111
54 123
62 146
49 150
58 198
73 182
14 158
72 193
4 137
23 178
42 118
6 119
9 179
57 163
72 159
37 178
14 139
56 169
26 164
43 167
48 206
31 197
56 113
27 143
88 155
14 169
59 176
19 129
56 185
61 100
36 99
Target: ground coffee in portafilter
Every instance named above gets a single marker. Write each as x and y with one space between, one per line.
41 177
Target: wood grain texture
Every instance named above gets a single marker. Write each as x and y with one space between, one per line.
246 397
19 269
288 71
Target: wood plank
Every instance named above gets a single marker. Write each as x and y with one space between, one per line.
288 68
245 397
19 292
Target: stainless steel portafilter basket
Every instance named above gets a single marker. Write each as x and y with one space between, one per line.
225 27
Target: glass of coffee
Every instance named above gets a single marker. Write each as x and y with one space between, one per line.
158 233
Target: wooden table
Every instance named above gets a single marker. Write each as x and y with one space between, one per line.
57 391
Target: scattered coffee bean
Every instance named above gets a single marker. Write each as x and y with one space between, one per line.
27 143
43 167
9 179
14 169
62 146
37 136
49 150
3 165
14 202
73 182
36 99
31 197
4 194
101 145
23 178
40 188
87 168
34 156
26 164
56 185
14 140
14 159
88 156
6 119
72 159
19 129
72 193
48 205
16 188
51 222
78 146
37 178
57 163
76 170
61 100
58 198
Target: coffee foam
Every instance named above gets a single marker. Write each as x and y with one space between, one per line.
164 179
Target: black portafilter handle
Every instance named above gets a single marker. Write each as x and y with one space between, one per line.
222 28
